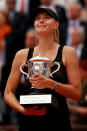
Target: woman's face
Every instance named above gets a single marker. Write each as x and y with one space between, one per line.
45 24
2 19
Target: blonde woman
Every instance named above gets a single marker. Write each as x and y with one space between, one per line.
65 83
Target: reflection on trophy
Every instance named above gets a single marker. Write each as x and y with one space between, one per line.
42 66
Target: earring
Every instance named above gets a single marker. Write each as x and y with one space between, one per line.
56 35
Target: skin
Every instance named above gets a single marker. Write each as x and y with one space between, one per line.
74 11
2 19
30 39
77 38
10 4
44 27
85 1
45 2
82 111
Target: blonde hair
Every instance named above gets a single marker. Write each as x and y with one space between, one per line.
56 36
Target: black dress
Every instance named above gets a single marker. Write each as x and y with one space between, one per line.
57 116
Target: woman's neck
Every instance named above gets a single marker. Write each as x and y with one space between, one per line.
46 43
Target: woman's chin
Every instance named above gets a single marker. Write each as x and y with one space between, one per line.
42 32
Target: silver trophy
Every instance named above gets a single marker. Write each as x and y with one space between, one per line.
42 66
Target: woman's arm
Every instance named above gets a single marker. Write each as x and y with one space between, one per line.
73 72
71 90
12 84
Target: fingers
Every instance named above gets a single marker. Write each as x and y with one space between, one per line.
34 111
33 79
41 112
35 107
38 81
32 108
35 83
37 86
36 76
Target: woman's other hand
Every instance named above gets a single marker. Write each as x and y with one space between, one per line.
34 111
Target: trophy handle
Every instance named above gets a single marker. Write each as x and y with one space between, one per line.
21 69
55 63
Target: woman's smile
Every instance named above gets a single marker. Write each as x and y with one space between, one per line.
41 25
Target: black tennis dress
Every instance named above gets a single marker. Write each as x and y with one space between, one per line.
57 115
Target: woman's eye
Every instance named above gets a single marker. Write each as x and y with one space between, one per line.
47 17
37 18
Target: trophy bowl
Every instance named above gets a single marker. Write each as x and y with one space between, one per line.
40 65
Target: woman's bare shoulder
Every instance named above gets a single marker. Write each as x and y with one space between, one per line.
22 52
69 55
70 51
21 55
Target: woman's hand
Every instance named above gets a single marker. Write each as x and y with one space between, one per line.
34 111
40 82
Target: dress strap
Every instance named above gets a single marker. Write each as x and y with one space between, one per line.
30 53
59 54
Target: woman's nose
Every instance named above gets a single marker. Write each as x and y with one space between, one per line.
41 20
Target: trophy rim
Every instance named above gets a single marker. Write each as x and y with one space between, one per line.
40 60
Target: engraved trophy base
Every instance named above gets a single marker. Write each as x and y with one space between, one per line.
38 97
